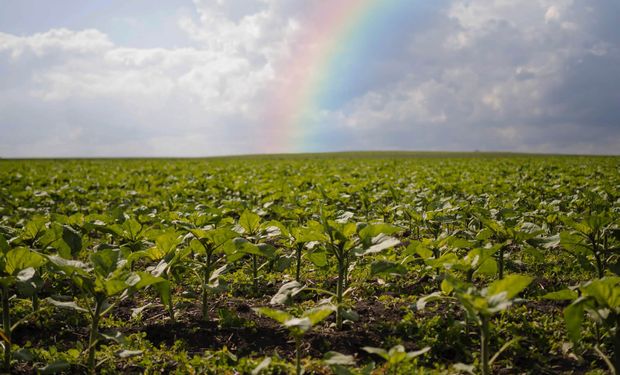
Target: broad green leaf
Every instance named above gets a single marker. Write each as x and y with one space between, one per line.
446 287
69 266
318 258
264 365
318 314
573 316
250 222
167 242
335 358
303 235
378 351
113 286
418 353
384 267
560 295
423 301
286 293
574 243
277 315
26 274
21 258
511 285
105 261
34 228
128 353
380 243
416 247
65 305
298 326
54 368
4 245
373 230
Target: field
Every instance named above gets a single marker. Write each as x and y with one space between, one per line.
352 263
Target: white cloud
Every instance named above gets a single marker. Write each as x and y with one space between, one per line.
482 74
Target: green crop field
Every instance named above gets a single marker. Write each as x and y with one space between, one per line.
346 263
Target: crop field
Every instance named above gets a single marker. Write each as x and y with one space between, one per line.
351 263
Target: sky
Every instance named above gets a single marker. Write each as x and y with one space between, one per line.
219 77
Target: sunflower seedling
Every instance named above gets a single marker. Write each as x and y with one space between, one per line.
480 305
298 326
396 355
600 299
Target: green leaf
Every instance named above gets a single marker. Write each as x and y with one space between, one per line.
167 242
250 222
378 351
21 258
54 367
298 326
128 353
4 245
573 317
511 285
561 295
264 365
574 243
318 314
286 293
380 243
373 230
421 303
446 287
384 267
69 266
318 258
335 358
303 235
277 315
65 305
418 353
26 274
105 261
34 228
114 286
72 239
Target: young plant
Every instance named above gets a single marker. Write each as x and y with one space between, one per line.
252 243
480 305
17 266
298 326
170 257
297 238
600 299
593 241
343 239
106 276
396 355
508 235
208 247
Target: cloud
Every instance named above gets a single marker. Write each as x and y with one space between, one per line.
540 75
497 75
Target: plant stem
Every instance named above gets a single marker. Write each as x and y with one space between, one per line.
255 272
92 341
35 302
500 261
298 270
484 346
207 274
616 359
298 355
339 293
6 325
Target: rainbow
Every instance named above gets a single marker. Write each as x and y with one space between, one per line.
335 33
